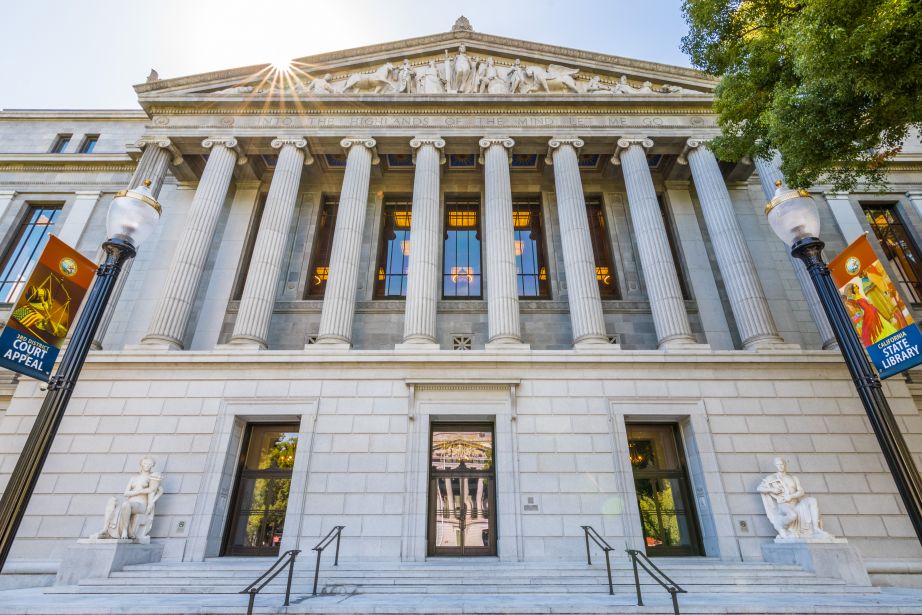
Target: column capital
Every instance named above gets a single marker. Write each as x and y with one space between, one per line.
163 143
690 145
436 142
297 142
349 142
557 142
626 142
230 143
488 142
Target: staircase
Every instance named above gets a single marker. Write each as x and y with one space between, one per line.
468 586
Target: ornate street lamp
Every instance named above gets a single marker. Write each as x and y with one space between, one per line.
794 217
131 218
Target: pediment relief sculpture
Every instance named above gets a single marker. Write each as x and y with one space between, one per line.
460 73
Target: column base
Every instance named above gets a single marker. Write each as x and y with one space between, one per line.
682 343
827 558
595 344
773 343
506 345
324 344
157 342
242 343
422 346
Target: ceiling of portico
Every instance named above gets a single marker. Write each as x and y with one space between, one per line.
460 67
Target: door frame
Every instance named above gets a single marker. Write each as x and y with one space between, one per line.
696 548
431 549
228 549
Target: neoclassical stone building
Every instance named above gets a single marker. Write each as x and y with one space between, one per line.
461 294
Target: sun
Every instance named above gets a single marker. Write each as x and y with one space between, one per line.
282 65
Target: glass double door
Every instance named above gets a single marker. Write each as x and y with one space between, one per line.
462 490
261 493
667 511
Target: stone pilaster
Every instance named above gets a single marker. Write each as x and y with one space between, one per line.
178 295
502 289
80 211
769 172
841 207
586 317
659 270
156 156
251 328
6 197
425 236
339 296
915 198
747 299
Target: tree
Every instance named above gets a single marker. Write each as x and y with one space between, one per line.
834 85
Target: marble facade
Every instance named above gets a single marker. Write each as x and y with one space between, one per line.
214 328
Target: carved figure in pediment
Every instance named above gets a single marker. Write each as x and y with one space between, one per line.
382 80
322 86
555 77
517 79
595 86
405 78
623 87
429 80
493 80
463 72
645 88
240 89
674 89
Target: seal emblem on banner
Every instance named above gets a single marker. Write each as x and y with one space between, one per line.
68 267
853 265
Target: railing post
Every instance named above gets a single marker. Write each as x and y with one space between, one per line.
291 571
675 601
586 535
611 588
250 606
339 534
317 571
636 578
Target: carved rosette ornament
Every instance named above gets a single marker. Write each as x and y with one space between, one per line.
486 142
298 142
626 142
368 142
436 142
556 142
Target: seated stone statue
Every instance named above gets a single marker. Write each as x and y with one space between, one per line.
791 513
133 516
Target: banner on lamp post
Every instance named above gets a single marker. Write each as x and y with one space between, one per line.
878 313
41 318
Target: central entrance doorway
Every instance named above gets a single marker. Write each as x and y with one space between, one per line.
462 490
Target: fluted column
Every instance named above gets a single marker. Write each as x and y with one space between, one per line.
770 172
747 299
502 290
586 318
425 236
252 325
659 270
339 296
156 156
178 295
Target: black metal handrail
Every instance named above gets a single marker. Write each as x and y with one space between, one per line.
336 532
287 559
665 582
590 532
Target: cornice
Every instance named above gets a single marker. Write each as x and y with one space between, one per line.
115 115
66 162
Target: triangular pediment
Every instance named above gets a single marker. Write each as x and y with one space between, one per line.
451 64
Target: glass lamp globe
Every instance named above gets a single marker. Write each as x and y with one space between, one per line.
792 214
133 214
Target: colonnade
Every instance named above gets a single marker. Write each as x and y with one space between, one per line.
753 318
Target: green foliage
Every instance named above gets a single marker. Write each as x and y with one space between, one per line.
833 85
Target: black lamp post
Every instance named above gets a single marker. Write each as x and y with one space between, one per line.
132 216
794 217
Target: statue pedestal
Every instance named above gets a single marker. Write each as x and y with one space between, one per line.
96 558
831 558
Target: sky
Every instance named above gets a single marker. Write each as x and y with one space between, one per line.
86 54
